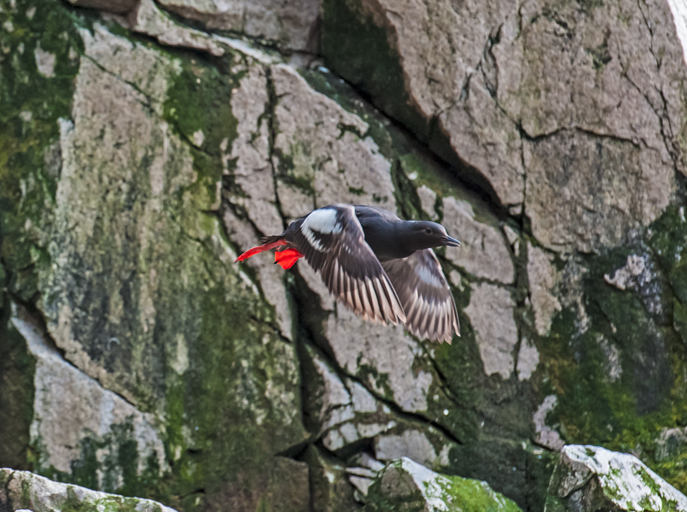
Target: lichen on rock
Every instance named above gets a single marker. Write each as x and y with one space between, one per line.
21 490
592 478
411 485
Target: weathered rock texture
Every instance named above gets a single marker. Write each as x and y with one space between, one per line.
143 147
21 490
404 483
589 478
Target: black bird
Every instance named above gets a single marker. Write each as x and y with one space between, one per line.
381 267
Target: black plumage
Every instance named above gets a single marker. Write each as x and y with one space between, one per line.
379 266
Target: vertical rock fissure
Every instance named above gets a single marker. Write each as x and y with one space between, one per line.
272 130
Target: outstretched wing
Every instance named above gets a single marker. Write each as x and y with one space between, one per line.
425 295
333 243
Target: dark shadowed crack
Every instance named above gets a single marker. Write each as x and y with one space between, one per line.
663 120
343 376
580 129
489 65
33 316
147 104
272 129
268 46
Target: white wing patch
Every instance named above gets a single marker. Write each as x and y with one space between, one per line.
425 274
323 221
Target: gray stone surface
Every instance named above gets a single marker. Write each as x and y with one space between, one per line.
491 315
543 279
484 252
571 79
292 25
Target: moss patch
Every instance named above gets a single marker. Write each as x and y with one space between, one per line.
198 106
618 379
17 369
31 103
396 487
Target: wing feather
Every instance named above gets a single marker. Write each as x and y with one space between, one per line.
333 242
425 295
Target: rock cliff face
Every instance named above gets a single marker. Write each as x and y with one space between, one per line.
143 145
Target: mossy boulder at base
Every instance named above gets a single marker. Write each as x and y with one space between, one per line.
408 486
589 478
22 490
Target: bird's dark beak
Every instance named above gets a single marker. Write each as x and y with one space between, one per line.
451 242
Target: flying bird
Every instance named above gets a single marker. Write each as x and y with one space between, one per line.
381 267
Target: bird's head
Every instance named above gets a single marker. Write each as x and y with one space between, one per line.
430 234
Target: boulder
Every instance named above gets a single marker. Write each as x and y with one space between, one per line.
590 478
24 491
411 486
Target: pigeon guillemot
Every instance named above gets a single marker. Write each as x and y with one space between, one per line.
379 266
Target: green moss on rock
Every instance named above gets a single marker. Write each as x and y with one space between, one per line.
31 102
616 372
406 485
198 106
17 368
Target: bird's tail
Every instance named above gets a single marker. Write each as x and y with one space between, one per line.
269 242
285 258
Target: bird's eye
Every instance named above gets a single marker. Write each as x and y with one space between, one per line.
428 231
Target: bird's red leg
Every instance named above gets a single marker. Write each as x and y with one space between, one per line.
259 249
287 258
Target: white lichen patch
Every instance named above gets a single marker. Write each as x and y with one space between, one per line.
198 138
528 359
625 481
491 315
545 435
180 362
45 62
624 276
543 279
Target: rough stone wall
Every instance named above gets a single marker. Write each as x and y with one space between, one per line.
143 146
